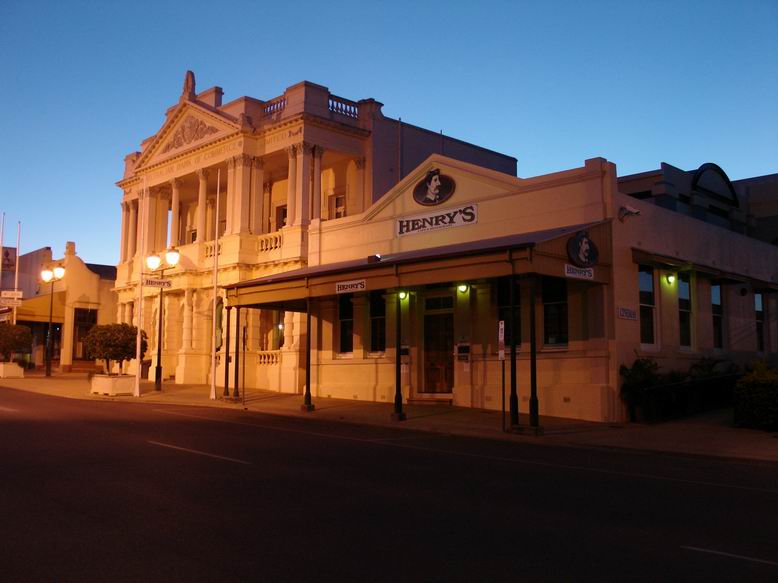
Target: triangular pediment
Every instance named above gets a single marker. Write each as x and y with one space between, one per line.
466 182
189 127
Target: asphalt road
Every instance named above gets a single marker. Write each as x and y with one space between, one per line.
110 491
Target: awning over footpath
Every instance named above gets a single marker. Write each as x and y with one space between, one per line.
644 257
37 309
541 252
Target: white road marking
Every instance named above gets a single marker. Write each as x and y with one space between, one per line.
9 410
710 552
220 457
385 443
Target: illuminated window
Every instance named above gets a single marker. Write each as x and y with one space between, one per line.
717 310
759 308
377 322
685 309
345 324
647 304
554 311
504 307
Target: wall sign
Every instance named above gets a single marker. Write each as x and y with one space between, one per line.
347 287
454 217
627 313
582 251
434 189
578 272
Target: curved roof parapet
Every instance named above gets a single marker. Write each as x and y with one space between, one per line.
712 180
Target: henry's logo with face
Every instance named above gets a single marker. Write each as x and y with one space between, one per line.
582 251
434 189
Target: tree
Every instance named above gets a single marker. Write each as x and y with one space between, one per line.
113 342
14 338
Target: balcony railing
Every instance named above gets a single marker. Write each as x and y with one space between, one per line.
274 106
269 242
210 247
268 357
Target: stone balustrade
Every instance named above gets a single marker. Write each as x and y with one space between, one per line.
268 357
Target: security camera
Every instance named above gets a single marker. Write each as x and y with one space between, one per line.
628 211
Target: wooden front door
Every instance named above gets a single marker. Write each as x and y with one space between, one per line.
438 353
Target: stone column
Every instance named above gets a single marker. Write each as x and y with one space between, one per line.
266 206
303 184
132 234
123 247
318 152
210 227
230 196
66 340
241 199
291 189
202 175
186 343
175 209
257 198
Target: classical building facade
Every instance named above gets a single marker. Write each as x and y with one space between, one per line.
262 177
360 258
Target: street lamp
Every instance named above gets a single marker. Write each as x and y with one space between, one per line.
154 263
50 276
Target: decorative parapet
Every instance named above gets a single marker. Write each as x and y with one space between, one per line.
343 106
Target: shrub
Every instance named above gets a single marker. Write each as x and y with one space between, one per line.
643 373
712 367
14 338
113 342
756 398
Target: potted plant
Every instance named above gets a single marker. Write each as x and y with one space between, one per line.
638 378
113 342
13 338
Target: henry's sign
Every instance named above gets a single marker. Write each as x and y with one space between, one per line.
442 219
348 287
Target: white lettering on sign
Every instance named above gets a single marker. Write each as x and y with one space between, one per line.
347 287
157 282
10 302
443 219
578 272
15 294
627 313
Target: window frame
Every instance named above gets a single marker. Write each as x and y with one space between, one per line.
652 306
345 325
687 278
717 317
373 320
547 304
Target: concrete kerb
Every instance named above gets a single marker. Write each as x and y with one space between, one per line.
686 438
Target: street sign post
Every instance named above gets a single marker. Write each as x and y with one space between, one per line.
501 350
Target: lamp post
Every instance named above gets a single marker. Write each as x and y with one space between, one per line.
154 263
50 276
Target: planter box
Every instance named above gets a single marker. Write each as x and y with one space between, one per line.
11 370
112 385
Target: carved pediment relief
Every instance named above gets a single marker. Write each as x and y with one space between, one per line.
190 130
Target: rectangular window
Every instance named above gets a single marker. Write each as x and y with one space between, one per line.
554 311
278 330
504 307
377 321
345 324
337 206
280 217
717 310
685 309
759 308
647 304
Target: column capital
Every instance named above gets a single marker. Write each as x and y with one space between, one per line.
318 151
360 162
203 173
230 163
258 163
267 187
304 148
242 160
292 151
176 183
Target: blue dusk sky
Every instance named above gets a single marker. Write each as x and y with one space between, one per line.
551 83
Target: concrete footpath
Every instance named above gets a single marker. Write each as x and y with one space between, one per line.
710 434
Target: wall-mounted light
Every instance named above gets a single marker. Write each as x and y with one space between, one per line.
373 258
280 326
462 287
670 277
403 295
